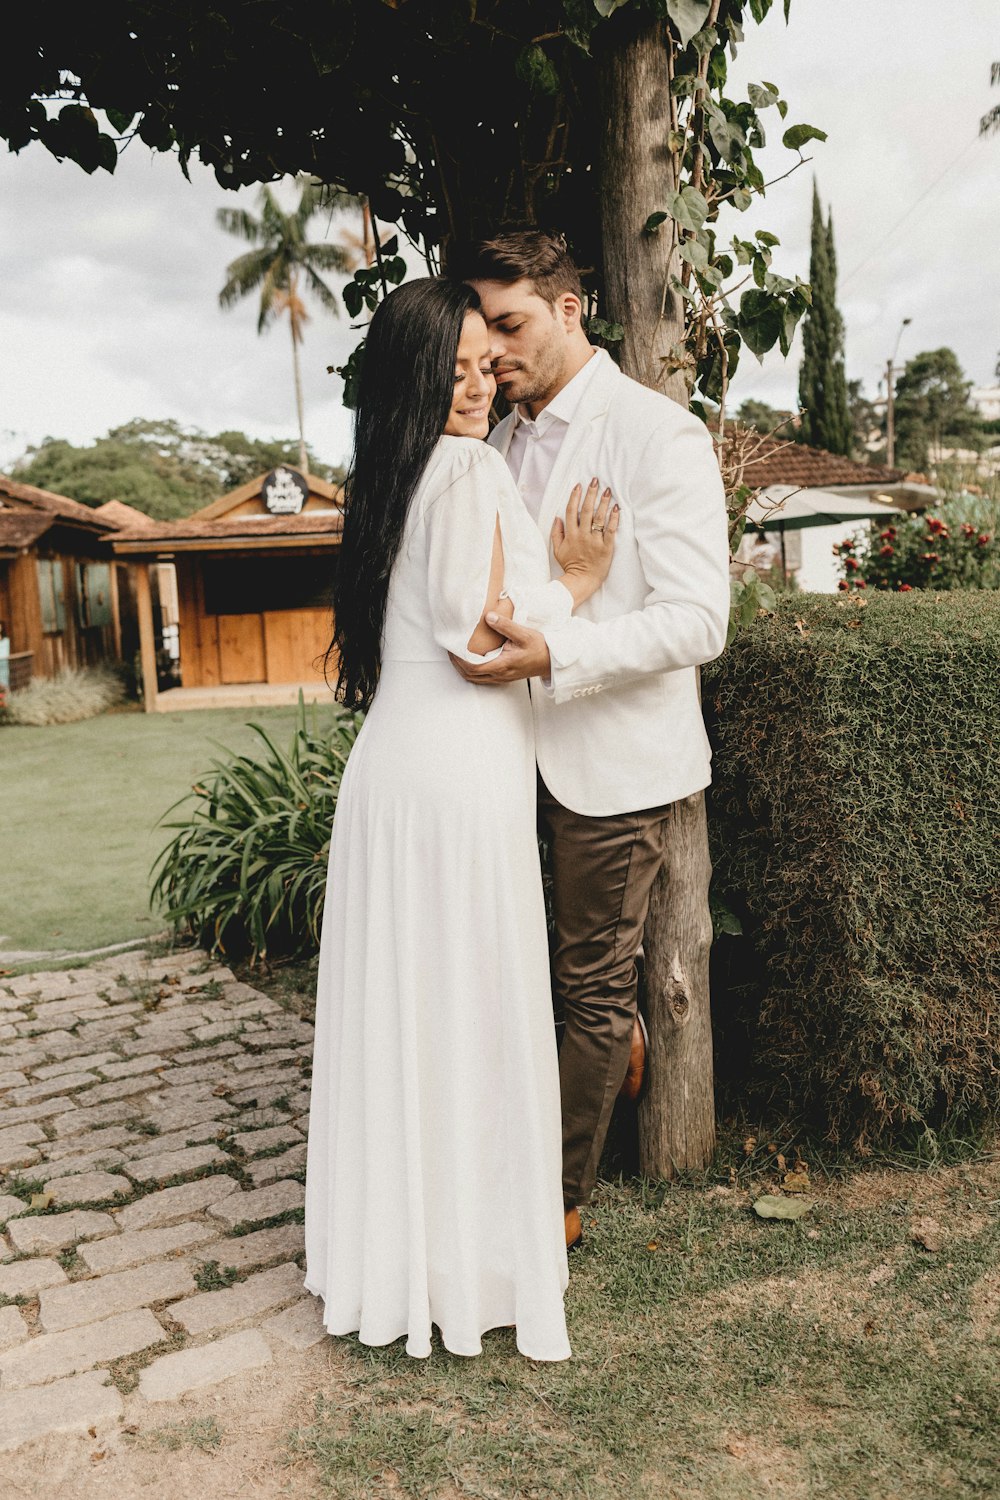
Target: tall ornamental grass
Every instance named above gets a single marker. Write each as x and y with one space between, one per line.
65 698
245 871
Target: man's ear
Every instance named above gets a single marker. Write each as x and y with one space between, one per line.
570 311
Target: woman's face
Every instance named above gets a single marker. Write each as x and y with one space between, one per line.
475 386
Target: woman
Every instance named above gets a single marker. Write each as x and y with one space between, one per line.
433 1183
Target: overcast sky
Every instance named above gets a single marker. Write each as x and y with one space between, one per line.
109 293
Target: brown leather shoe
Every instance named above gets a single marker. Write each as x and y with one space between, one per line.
574 1229
632 1086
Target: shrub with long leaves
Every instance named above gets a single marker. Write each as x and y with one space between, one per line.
245 871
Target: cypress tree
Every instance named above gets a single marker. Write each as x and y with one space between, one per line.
826 420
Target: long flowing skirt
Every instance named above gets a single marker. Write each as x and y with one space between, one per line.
433 1186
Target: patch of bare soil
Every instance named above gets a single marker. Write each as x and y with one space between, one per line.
161 1460
984 1307
927 1192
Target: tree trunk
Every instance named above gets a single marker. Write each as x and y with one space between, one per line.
293 320
677 1113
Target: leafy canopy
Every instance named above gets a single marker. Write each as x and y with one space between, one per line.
450 116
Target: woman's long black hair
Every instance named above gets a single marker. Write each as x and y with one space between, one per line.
404 397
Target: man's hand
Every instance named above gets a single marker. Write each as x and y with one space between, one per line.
525 655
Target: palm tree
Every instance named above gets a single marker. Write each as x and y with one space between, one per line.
281 267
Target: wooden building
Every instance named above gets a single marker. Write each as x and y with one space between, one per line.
58 594
254 572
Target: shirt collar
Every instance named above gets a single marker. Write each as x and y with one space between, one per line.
563 406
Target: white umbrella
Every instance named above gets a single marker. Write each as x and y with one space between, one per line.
786 505
790 507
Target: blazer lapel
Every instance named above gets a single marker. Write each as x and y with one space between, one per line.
592 409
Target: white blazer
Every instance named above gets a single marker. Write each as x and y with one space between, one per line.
618 726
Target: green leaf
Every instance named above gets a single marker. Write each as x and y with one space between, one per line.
742 199
704 41
728 137
688 17
797 135
107 152
535 68
766 238
688 207
761 318
608 7
353 298
762 96
120 119
694 253
770 1206
654 221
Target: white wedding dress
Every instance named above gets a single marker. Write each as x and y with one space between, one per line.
433 1185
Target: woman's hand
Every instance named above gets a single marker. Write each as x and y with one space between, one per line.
584 544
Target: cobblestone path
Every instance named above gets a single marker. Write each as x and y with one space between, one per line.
152 1156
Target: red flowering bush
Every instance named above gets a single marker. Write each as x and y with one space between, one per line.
920 552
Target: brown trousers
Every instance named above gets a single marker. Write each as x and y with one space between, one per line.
603 871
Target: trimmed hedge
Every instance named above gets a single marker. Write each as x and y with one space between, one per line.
855 823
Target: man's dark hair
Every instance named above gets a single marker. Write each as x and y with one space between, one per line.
526 254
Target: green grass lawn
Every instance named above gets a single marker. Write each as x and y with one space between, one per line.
716 1357
81 804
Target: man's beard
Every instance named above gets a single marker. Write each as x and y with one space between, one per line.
534 384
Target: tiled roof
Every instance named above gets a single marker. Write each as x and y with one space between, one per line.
118 513
58 505
776 460
19 528
309 523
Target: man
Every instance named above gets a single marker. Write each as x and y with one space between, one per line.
614 687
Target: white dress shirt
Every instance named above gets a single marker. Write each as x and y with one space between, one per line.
534 446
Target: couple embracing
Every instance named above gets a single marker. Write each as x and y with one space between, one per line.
522 618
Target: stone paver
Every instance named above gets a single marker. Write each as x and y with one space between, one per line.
50 1232
281 1242
262 1203
299 1326
121 1251
88 1187
9 1206
253 1142
54 1354
174 1375
260 1292
13 1328
76 1404
93 1161
119 1291
271 1168
23 1278
178 1163
174 1203
107 1137
103 1098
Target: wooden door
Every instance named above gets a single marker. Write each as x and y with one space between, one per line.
295 641
241 648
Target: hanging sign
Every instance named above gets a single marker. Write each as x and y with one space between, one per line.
284 492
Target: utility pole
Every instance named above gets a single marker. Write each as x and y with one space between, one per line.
890 401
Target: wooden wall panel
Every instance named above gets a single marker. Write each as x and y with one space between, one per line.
241 648
295 640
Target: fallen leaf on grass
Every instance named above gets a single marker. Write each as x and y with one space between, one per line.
652 1245
927 1233
796 1182
770 1206
41 1200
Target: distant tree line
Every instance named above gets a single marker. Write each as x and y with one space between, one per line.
162 468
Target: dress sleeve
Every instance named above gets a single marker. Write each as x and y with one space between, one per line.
461 519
